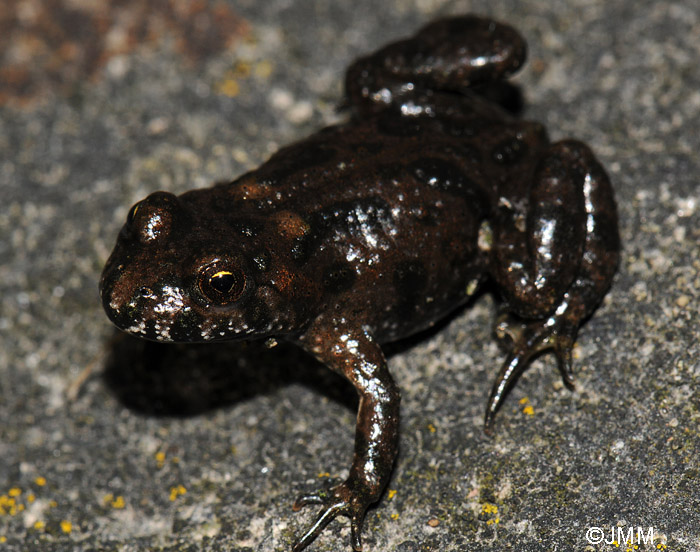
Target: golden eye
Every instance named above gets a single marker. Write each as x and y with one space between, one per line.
223 281
222 286
132 213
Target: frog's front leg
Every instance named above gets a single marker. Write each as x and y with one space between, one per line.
352 352
554 262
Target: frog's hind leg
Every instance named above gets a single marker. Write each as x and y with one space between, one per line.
451 55
555 269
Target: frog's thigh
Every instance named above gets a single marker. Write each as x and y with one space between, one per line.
602 245
539 244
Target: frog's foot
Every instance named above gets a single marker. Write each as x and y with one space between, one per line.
453 54
529 339
344 499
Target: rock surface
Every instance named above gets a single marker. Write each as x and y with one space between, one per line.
107 443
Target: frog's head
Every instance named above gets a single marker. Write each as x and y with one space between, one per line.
177 275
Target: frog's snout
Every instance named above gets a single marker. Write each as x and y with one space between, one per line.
157 313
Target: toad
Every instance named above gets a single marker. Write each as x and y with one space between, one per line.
375 229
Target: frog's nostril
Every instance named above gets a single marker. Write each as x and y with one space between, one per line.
144 293
143 297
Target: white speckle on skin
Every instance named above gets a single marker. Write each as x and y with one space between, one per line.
384 95
352 254
138 328
171 302
153 227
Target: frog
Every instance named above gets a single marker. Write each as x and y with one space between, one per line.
377 228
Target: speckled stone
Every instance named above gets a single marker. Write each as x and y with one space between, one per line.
107 443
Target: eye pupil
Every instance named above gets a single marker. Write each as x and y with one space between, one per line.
222 286
223 281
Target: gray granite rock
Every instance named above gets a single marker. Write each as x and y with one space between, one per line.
107 443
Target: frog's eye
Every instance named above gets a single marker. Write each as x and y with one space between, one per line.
222 285
132 213
128 227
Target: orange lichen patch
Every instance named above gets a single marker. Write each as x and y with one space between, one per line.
56 44
290 225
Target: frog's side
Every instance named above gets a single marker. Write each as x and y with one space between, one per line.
375 229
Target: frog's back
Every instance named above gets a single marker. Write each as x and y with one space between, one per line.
385 223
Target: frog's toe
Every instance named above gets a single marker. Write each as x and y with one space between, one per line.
510 370
335 502
312 498
530 339
326 515
563 347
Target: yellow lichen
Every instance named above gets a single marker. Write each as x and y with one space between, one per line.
228 87
489 508
263 69
160 459
176 491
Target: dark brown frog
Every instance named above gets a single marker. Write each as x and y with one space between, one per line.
375 229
